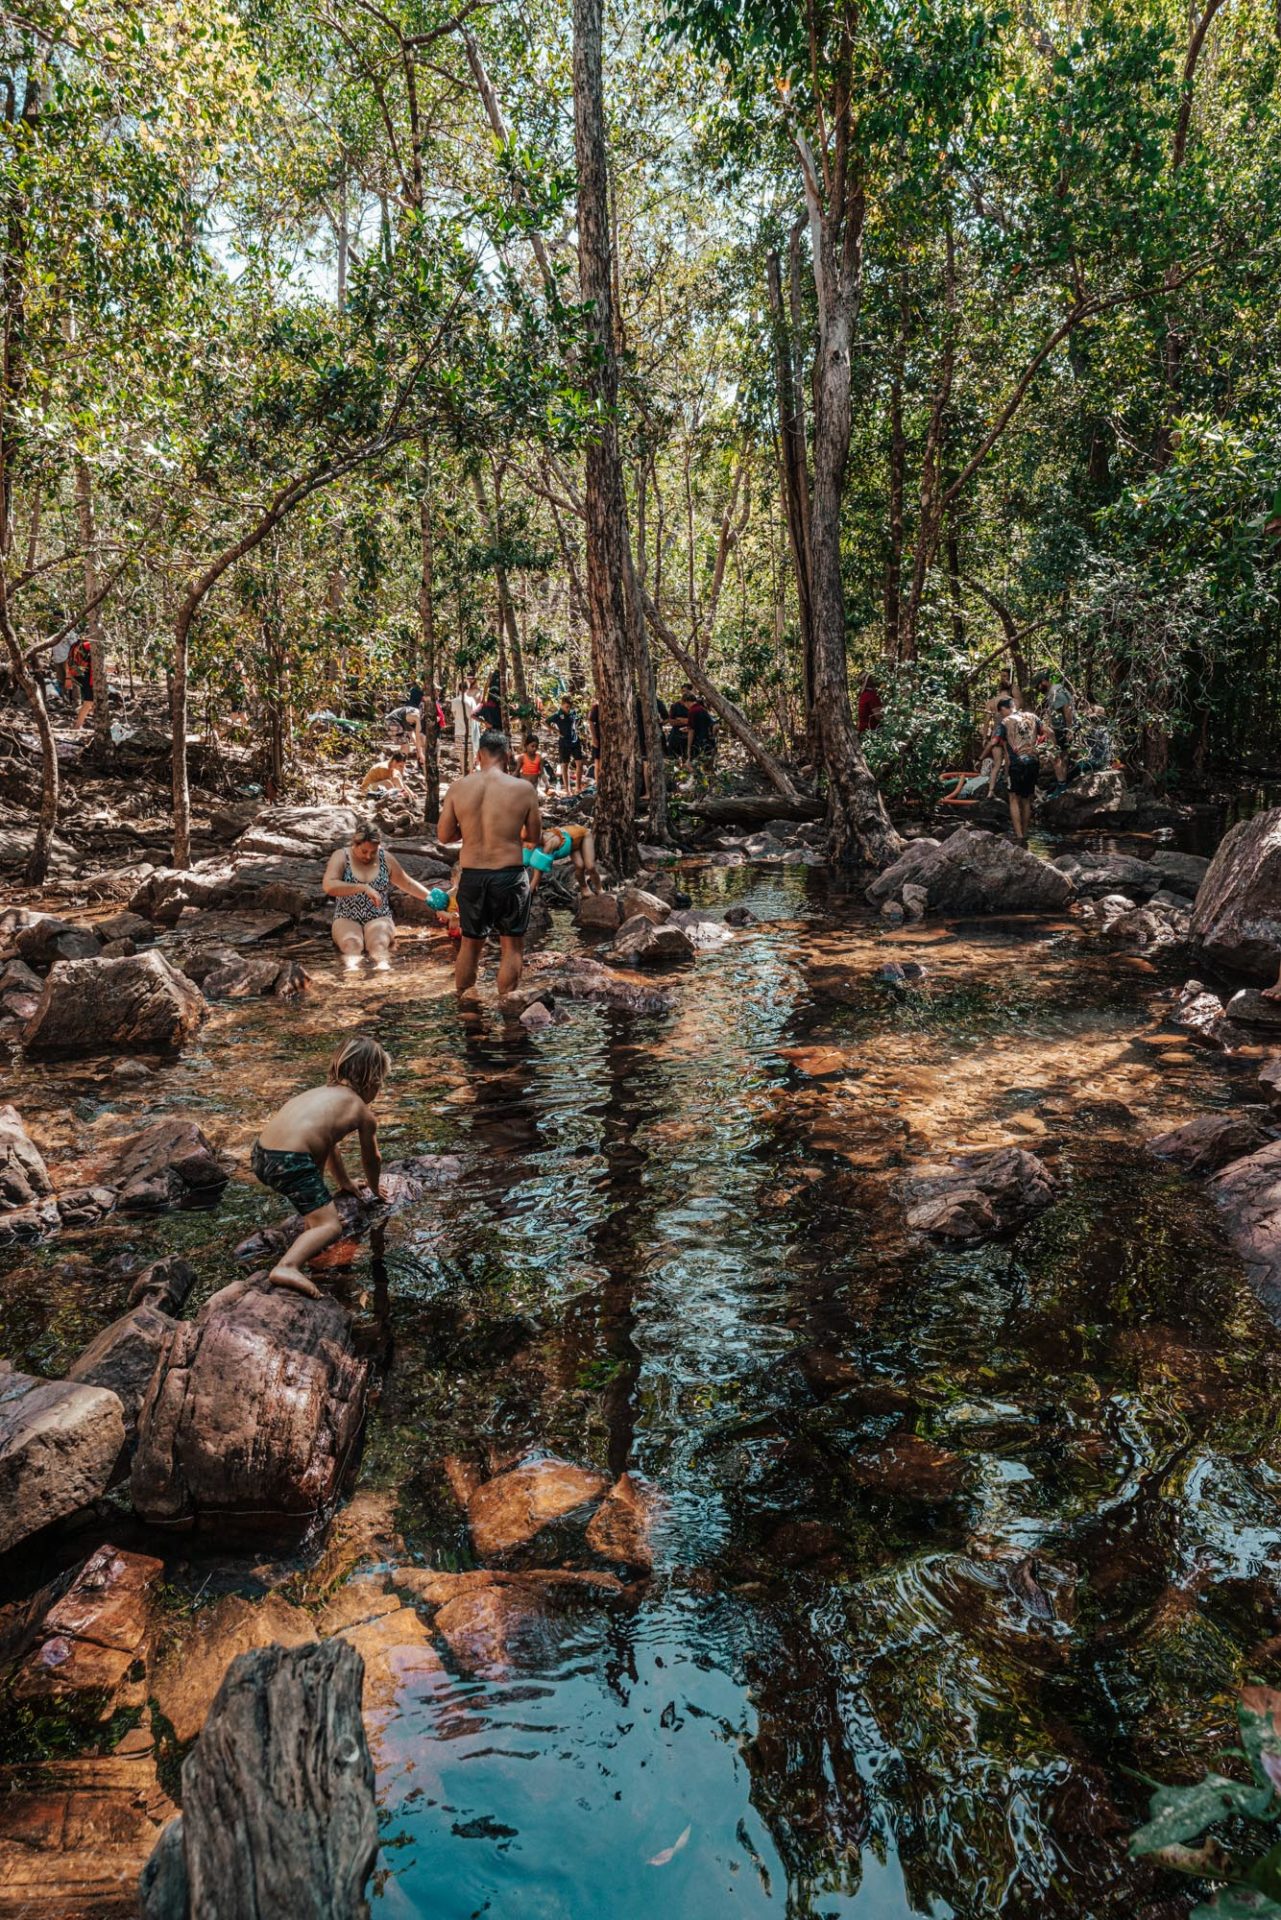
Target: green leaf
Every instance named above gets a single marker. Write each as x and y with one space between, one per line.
1178 1814
1237 1903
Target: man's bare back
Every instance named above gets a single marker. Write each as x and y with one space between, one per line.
488 809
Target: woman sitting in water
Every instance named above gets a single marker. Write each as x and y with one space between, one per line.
360 879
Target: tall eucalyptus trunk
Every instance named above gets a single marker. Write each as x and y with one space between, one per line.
613 601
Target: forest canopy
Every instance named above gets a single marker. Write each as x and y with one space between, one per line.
347 344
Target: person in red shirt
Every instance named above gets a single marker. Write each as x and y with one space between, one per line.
870 710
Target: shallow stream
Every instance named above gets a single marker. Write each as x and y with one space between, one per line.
865 1679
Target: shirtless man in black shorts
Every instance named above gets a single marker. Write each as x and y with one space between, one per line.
488 809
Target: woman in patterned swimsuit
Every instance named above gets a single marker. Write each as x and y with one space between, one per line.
360 879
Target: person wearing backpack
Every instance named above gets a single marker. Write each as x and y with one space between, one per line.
1018 734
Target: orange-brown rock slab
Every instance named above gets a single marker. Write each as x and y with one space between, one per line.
509 1511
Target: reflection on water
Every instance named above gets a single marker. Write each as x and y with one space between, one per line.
952 1540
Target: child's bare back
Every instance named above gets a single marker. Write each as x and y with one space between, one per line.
314 1122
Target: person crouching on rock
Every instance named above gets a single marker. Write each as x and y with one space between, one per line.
575 843
360 879
303 1138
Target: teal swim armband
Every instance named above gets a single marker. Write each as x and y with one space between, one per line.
438 898
535 857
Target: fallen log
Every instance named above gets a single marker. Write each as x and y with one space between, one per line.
754 809
277 1796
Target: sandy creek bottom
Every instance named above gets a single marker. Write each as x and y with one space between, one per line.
676 1246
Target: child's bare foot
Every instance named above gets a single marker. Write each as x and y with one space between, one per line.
1273 993
295 1279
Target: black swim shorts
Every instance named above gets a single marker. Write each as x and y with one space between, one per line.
493 900
295 1176
1024 768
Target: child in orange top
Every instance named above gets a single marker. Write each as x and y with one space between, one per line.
531 766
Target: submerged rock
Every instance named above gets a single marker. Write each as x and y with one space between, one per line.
195 1662
97 1006
979 1194
908 1467
1209 1142
1236 921
220 1444
620 1528
509 1511
59 1444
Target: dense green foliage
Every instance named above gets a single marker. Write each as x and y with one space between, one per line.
325 256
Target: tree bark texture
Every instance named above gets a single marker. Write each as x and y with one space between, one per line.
277 1795
613 603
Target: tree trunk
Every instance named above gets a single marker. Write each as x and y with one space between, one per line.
794 472
612 598
427 665
859 827
178 724
894 559
93 619
28 678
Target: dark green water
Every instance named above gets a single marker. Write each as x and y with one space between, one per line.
851 1687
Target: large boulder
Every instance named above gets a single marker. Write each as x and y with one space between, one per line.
599 910
974 872
170 1163
1209 1142
978 1194
59 1444
1248 1196
223 974
634 900
913 860
124 1358
24 1178
1096 875
278 1812
1092 800
52 939
299 830
1181 873
253 1414
139 1003
641 943
1236 921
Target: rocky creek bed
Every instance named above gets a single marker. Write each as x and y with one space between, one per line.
755 1511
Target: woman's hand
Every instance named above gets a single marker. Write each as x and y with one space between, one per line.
372 893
